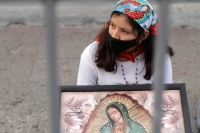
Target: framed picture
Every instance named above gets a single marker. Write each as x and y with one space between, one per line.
122 108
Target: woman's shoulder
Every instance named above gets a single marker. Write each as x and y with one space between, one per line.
136 126
90 49
105 128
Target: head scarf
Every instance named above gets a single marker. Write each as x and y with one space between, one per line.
141 11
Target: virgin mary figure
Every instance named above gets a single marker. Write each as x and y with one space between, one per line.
119 120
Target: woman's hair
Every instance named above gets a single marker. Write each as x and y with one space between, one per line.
106 58
112 106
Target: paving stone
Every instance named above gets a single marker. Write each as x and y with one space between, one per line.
67 69
24 107
72 40
19 47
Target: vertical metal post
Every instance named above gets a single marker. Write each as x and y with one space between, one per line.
52 64
160 51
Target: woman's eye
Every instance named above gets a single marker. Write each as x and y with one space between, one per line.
112 25
124 31
115 112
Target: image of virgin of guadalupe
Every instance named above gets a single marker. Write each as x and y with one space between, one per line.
119 120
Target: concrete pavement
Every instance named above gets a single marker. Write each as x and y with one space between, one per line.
24 101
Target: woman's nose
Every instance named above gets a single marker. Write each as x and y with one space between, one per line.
115 34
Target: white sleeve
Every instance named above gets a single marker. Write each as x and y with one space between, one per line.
167 70
86 72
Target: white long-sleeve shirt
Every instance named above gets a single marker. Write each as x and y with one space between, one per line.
90 74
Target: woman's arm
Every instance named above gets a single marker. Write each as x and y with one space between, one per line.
167 70
86 73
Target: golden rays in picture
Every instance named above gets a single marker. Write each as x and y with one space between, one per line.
136 112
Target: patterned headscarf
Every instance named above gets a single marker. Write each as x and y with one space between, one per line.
141 11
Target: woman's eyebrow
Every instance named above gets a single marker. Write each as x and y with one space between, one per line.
123 28
111 21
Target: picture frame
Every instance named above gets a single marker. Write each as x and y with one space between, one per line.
86 109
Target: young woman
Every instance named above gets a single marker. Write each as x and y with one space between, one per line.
123 50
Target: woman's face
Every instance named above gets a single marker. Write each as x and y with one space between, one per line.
114 114
120 28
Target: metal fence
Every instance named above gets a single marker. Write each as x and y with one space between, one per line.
160 50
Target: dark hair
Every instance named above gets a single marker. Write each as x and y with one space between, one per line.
106 57
112 106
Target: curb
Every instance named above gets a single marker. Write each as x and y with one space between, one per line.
79 13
